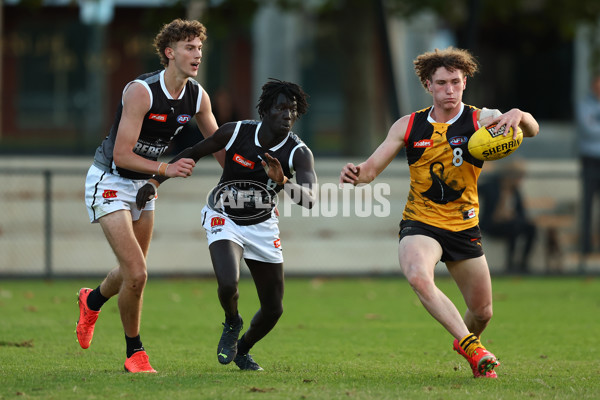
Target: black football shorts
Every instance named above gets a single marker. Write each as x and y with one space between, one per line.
456 246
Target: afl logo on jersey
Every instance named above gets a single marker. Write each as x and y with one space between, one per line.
184 118
242 199
458 140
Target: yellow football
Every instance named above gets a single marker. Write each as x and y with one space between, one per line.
489 143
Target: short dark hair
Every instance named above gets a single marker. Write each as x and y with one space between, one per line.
450 58
271 90
173 32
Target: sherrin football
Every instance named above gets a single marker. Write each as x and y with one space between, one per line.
489 143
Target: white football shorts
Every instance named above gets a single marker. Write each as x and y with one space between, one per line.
260 241
106 193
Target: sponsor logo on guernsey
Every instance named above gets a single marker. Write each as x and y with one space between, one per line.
423 143
458 140
469 214
184 118
277 243
144 149
243 161
217 221
158 117
109 194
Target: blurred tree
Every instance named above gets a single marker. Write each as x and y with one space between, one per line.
532 18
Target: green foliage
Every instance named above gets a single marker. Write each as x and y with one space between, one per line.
337 339
226 17
532 17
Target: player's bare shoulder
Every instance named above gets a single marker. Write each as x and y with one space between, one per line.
136 95
303 158
398 130
225 132
304 152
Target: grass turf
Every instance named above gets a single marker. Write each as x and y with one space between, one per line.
337 339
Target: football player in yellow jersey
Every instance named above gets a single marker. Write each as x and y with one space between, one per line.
440 220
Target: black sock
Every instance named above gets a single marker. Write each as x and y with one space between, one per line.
133 345
233 321
95 299
243 346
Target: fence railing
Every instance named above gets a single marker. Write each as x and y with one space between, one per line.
45 230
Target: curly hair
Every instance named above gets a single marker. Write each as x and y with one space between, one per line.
175 31
450 58
271 90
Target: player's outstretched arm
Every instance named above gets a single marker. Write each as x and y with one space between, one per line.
381 157
207 146
210 145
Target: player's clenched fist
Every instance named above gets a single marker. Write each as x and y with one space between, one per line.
181 168
144 195
350 174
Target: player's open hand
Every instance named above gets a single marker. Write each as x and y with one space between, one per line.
510 119
273 167
144 195
513 119
181 168
350 174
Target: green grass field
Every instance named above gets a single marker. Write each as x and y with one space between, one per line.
337 339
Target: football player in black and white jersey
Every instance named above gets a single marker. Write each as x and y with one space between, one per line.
154 108
240 218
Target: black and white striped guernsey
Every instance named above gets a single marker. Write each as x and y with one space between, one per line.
245 193
165 119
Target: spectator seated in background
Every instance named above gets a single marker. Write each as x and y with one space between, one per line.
588 128
503 214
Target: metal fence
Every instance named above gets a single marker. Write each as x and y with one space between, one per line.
33 219
45 229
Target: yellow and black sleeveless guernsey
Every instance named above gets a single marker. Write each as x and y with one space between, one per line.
443 175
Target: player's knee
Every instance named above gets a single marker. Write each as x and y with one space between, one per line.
228 290
420 283
273 312
137 281
483 313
